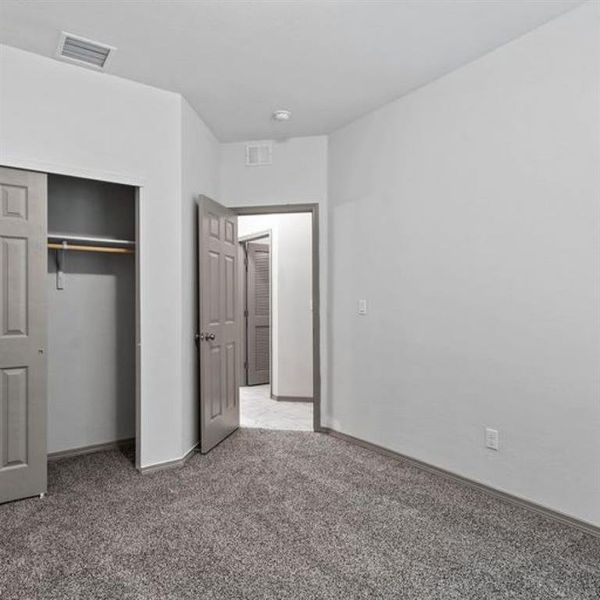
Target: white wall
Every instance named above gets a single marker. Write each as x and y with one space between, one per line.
298 175
467 214
291 282
57 117
199 175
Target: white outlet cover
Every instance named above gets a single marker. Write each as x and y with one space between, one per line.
362 307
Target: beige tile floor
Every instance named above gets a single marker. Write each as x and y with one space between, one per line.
258 410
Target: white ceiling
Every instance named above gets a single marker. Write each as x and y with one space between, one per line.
235 62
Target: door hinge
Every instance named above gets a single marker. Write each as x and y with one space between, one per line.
245 313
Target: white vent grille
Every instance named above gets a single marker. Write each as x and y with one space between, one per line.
259 154
82 51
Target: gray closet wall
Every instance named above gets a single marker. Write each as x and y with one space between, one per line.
91 322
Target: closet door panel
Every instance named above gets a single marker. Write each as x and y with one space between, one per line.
13 274
23 265
14 201
13 408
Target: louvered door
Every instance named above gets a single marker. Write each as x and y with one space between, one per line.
258 306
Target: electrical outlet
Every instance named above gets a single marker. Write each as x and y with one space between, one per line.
362 307
491 438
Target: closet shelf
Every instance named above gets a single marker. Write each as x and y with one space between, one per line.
60 241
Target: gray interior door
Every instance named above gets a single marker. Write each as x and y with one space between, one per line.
219 320
23 259
258 313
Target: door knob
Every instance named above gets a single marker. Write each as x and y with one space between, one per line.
210 336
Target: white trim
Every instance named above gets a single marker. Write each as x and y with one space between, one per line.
19 162
168 464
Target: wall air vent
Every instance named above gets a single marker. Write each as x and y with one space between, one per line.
259 154
82 51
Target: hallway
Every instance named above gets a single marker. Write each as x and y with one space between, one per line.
259 410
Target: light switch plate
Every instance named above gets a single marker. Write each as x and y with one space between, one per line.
362 307
491 438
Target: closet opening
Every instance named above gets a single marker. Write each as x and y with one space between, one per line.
91 289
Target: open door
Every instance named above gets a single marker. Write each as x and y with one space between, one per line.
259 310
23 260
219 321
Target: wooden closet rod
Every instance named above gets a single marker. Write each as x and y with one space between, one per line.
77 248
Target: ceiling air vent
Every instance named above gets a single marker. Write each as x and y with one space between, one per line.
82 51
259 154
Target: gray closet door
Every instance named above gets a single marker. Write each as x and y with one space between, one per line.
219 320
258 306
23 258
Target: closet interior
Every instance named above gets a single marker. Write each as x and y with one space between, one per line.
91 293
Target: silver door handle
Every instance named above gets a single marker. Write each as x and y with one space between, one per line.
199 337
209 336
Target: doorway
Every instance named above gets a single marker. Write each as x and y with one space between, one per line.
221 322
277 381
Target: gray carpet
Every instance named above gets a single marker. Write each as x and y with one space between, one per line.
271 514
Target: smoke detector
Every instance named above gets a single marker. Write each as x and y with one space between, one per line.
84 52
282 115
